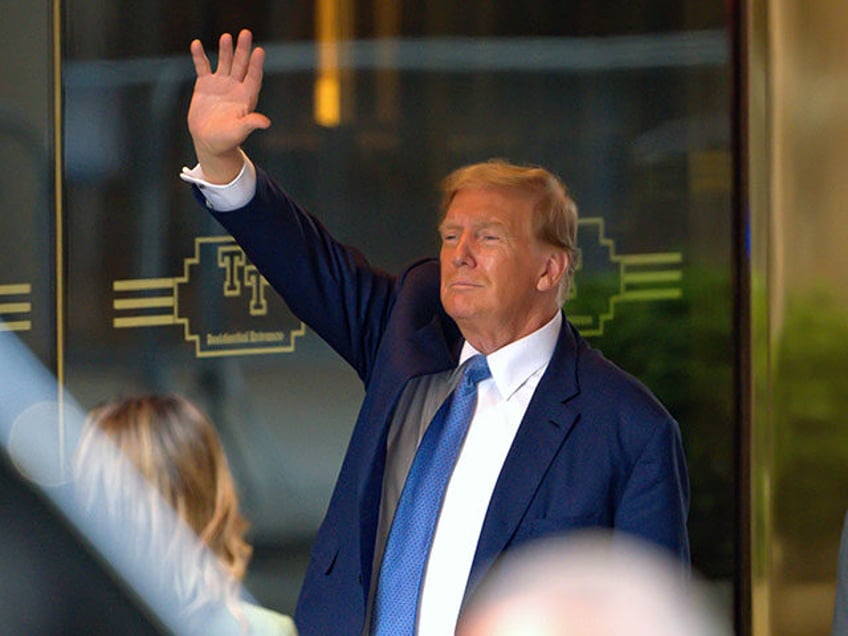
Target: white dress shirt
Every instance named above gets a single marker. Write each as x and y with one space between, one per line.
227 197
501 403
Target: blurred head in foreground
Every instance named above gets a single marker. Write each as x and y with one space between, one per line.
149 467
592 584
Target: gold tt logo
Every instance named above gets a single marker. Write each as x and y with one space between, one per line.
240 273
221 300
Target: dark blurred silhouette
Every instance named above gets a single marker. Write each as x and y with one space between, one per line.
840 608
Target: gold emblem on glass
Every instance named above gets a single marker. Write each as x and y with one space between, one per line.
15 307
236 320
612 278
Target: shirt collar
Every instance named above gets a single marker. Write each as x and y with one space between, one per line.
513 364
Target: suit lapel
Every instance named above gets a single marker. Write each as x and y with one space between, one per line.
550 416
436 345
432 348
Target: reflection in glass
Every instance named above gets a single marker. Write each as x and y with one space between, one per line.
630 107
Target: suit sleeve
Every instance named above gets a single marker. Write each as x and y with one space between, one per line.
329 286
655 501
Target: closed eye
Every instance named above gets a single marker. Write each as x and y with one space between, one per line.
490 235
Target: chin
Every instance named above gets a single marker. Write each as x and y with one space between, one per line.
463 318
464 309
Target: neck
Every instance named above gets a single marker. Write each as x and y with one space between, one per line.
488 341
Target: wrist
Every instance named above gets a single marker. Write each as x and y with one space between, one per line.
220 169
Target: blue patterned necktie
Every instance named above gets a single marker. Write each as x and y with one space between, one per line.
408 545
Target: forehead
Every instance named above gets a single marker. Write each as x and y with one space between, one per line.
489 204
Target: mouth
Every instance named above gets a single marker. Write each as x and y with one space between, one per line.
460 285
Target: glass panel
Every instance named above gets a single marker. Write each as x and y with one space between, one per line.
26 180
629 104
797 191
51 583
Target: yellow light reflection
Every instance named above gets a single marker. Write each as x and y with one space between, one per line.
333 24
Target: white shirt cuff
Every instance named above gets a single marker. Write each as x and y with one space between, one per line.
227 197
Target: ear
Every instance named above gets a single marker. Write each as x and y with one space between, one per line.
555 265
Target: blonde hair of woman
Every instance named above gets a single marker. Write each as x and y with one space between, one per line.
151 465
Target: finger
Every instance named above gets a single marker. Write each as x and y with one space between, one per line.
240 62
225 54
254 70
198 56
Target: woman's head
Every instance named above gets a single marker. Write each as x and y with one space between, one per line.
176 450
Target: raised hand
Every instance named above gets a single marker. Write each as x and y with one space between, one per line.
222 110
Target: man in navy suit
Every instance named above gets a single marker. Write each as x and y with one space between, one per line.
561 439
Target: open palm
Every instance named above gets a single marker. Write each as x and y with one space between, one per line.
222 110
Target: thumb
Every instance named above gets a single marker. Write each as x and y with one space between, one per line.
256 121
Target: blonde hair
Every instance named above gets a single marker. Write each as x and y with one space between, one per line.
555 212
178 457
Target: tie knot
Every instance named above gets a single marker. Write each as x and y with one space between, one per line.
476 370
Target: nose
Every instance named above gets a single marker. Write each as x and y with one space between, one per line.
462 252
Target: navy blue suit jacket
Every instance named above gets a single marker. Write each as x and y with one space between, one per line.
595 448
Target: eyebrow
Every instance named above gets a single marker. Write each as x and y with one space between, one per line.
483 225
